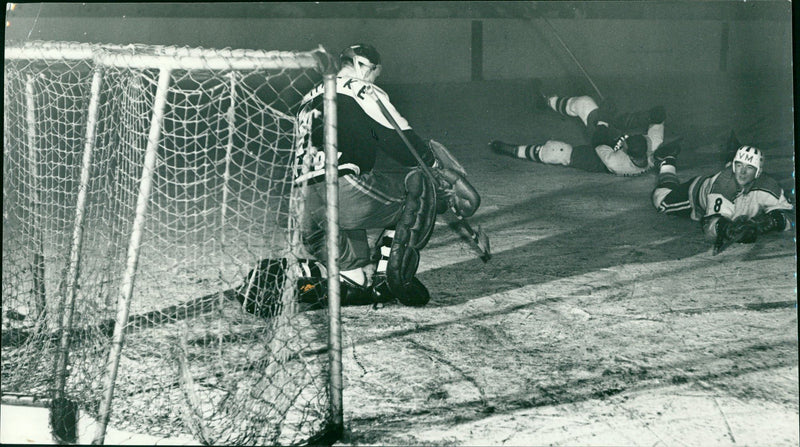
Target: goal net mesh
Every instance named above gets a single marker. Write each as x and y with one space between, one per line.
220 200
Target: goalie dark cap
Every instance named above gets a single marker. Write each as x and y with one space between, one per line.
361 51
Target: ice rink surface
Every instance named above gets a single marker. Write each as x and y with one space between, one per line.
597 321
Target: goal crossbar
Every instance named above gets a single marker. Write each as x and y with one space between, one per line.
169 57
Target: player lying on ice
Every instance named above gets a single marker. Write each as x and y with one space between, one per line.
736 204
381 188
617 144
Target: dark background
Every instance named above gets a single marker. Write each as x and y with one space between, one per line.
452 41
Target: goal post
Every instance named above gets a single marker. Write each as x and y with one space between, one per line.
142 187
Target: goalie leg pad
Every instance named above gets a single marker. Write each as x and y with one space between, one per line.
412 232
415 294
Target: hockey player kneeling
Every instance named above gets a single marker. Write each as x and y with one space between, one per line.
385 184
396 254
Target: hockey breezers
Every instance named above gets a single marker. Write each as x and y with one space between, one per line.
478 239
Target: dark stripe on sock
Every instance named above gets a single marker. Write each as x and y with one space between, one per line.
561 106
667 180
533 152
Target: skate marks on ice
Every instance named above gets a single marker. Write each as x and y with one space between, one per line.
608 334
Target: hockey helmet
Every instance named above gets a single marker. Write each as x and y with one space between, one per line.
749 155
361 54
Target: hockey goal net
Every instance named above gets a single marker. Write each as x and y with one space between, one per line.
141 184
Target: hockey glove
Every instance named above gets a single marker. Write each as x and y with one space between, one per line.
456 193
606 135
744 230
729 232
768 222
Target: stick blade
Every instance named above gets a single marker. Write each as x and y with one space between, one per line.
483 245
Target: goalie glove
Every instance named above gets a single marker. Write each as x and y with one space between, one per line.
444 159
456 193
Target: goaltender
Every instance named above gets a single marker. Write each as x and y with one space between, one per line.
382 187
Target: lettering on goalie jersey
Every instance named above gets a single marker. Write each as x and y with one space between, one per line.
312 164
360 92
310 160
305 152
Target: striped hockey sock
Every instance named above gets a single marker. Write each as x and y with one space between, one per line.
559 104
385 244
530 152
667 178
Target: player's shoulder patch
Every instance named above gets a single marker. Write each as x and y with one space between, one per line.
767 184
725 185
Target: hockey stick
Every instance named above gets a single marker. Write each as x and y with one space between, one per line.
479 239
721 244
555 33
167 315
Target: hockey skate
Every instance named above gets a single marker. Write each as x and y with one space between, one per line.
415 295
667 152
539 99
499 147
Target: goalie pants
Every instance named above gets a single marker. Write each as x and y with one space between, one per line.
366 202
